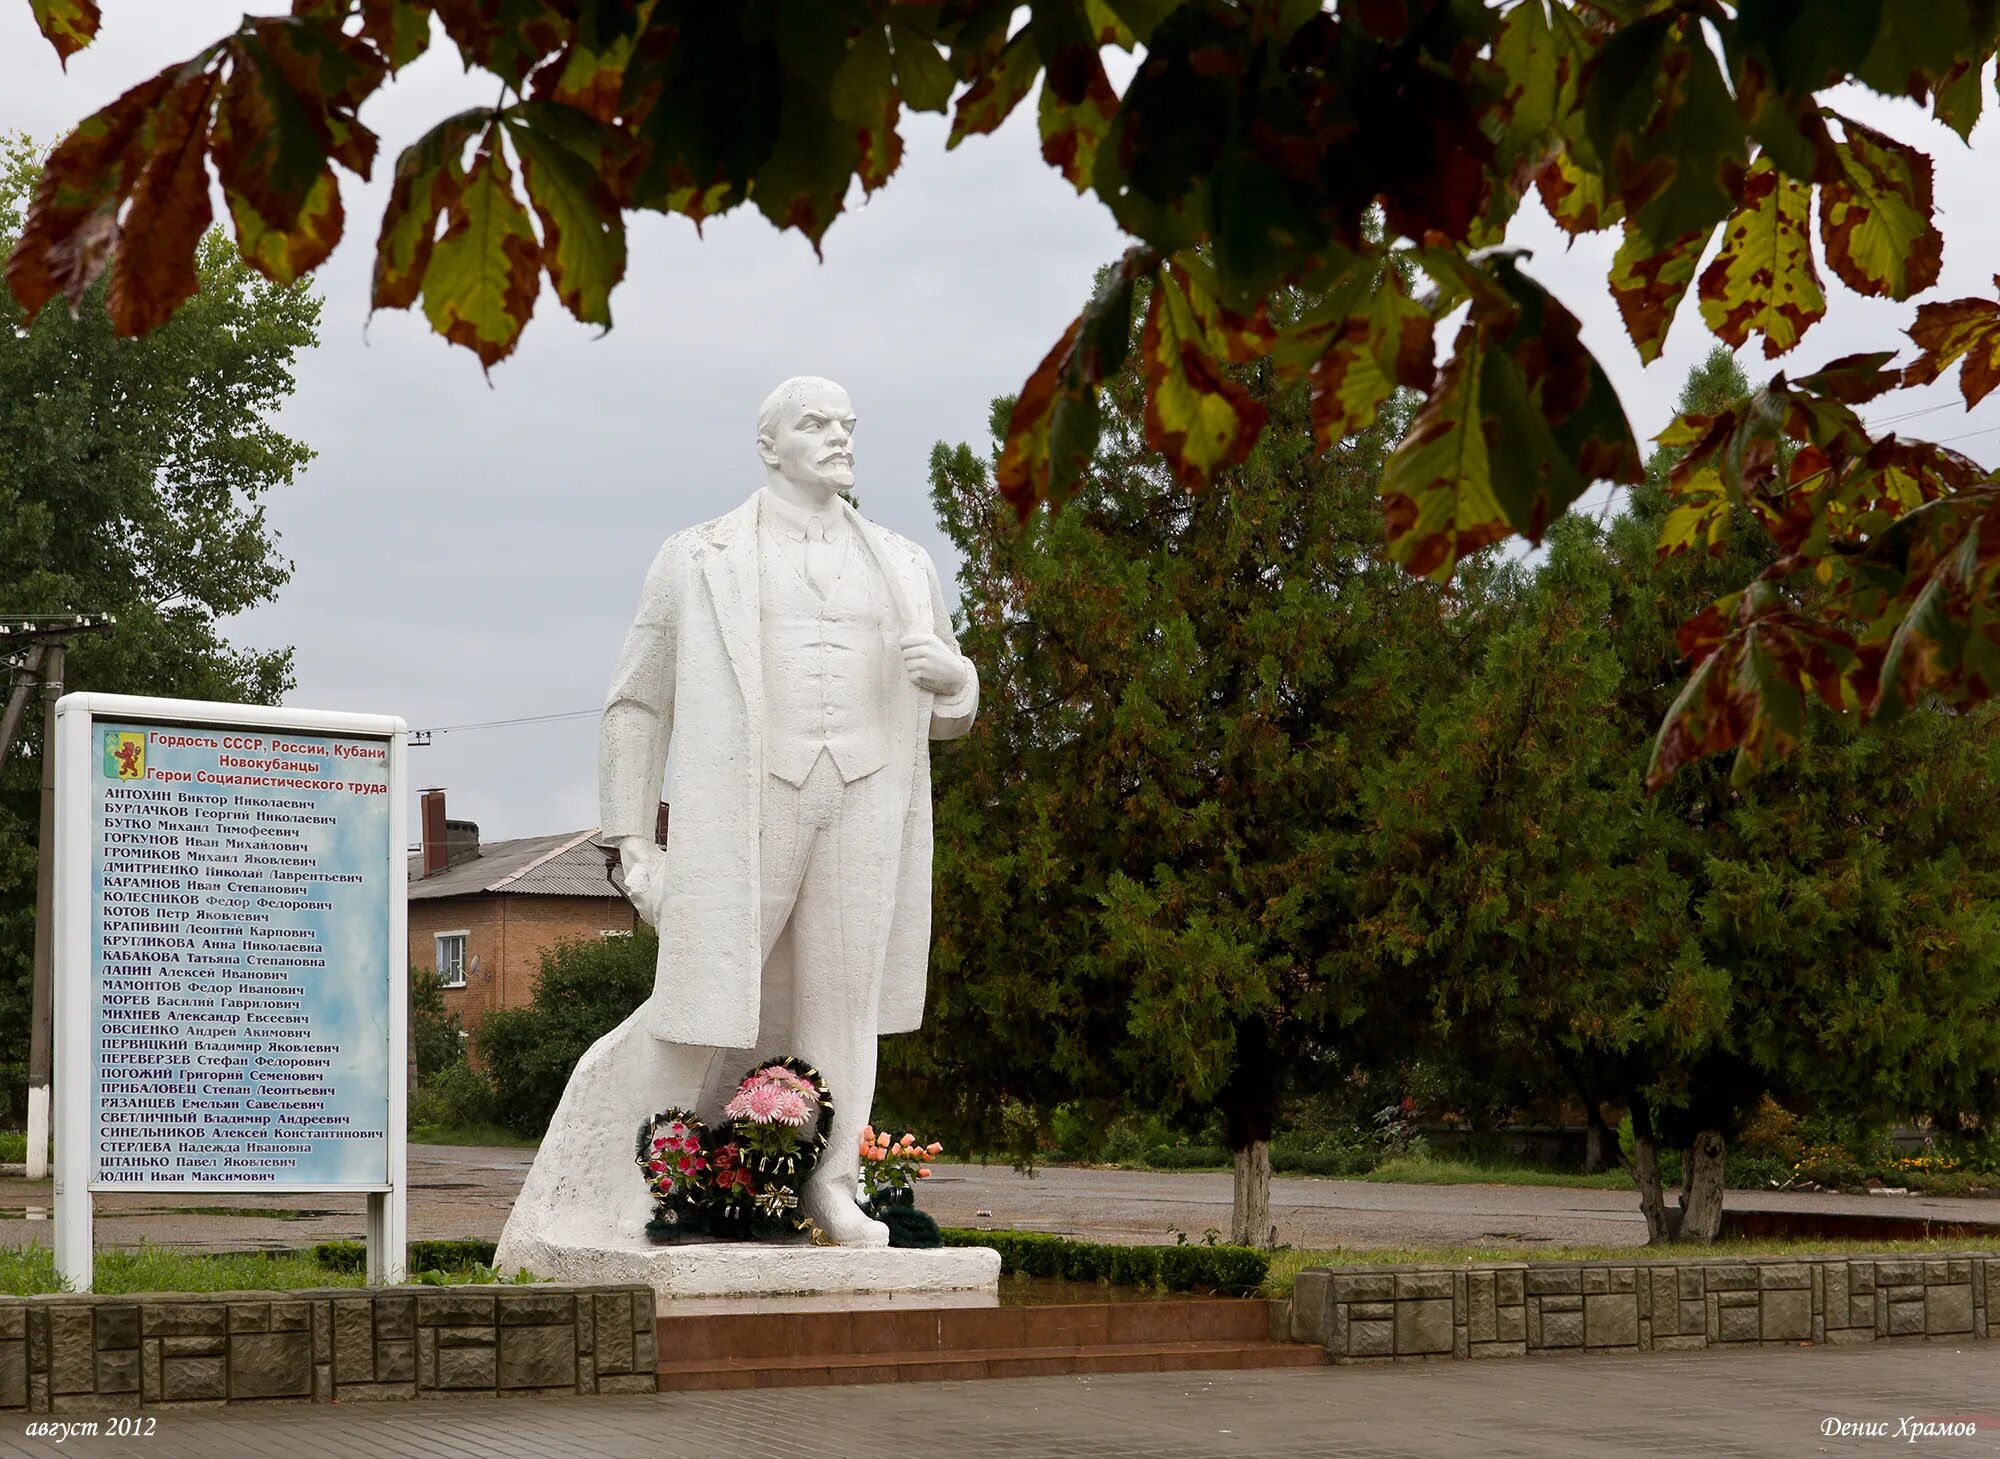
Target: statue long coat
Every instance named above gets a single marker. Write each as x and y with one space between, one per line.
691 676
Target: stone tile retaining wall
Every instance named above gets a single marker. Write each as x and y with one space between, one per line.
1511 1309
104 1354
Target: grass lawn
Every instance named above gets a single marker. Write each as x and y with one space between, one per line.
28 1269
1430 1170
494 1135
1287 1264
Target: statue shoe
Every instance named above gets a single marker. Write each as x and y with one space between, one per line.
840 1218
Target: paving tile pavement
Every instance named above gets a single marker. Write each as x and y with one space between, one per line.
1694 1405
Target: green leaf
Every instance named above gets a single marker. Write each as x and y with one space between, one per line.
1960 97
66 239
1919 42
479 290
268 154
1438 504
1664 126
590 78
1699 516
1876 221
153 272
1781 54
430 175
284 255
1757 660
1363 343
1763 281
1071 134
1576 198
997 89
1944 637
399 29
1197 416
865 78
1521 422
803 183
1141 17
68 25
1961 329
564 159
507 37
1052 430
922 74
1647 283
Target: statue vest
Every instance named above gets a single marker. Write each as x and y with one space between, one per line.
825 664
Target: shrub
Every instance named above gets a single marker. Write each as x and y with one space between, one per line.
424 1256
1230 1270
1284 1159
586 988
1186 1157
1287 1161
1772 1131
1751 1170
434 1033
457 1095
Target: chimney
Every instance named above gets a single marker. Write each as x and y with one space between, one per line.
461 842
660 825
430 807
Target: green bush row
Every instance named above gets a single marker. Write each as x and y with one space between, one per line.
1283 1161
425 1256
1232 1270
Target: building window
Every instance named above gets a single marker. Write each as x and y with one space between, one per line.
451 959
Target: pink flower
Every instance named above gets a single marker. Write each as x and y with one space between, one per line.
934 1148
925 1172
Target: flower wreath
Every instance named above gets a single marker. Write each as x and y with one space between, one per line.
741 1181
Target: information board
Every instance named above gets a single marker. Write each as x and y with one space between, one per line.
240 958
230 958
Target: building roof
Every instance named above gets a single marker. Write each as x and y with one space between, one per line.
567 865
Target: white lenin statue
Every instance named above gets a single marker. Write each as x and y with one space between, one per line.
789 665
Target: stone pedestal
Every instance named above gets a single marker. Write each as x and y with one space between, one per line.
758 1269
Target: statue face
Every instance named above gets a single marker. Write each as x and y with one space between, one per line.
813 446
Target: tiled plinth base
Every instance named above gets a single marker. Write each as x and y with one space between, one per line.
753 1269
940 1344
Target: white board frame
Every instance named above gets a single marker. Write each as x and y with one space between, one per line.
387 1222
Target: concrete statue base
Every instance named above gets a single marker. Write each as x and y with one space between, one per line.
766 1269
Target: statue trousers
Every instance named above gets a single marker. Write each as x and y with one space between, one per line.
829 853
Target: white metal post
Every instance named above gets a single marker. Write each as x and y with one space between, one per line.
388 1212
71 972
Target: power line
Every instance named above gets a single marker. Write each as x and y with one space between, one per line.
445 729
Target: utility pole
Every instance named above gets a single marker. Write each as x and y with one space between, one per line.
43 643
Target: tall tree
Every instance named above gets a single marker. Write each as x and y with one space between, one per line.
1824 932
1145 845
131 478
1243 156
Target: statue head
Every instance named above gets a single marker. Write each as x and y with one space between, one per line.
805 434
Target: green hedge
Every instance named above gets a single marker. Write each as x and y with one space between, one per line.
1186 1157
1233 1270
425 1256
1283 1161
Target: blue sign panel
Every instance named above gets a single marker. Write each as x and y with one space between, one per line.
241 884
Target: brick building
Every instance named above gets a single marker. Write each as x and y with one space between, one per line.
483 914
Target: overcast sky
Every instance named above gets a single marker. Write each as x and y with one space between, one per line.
468 553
